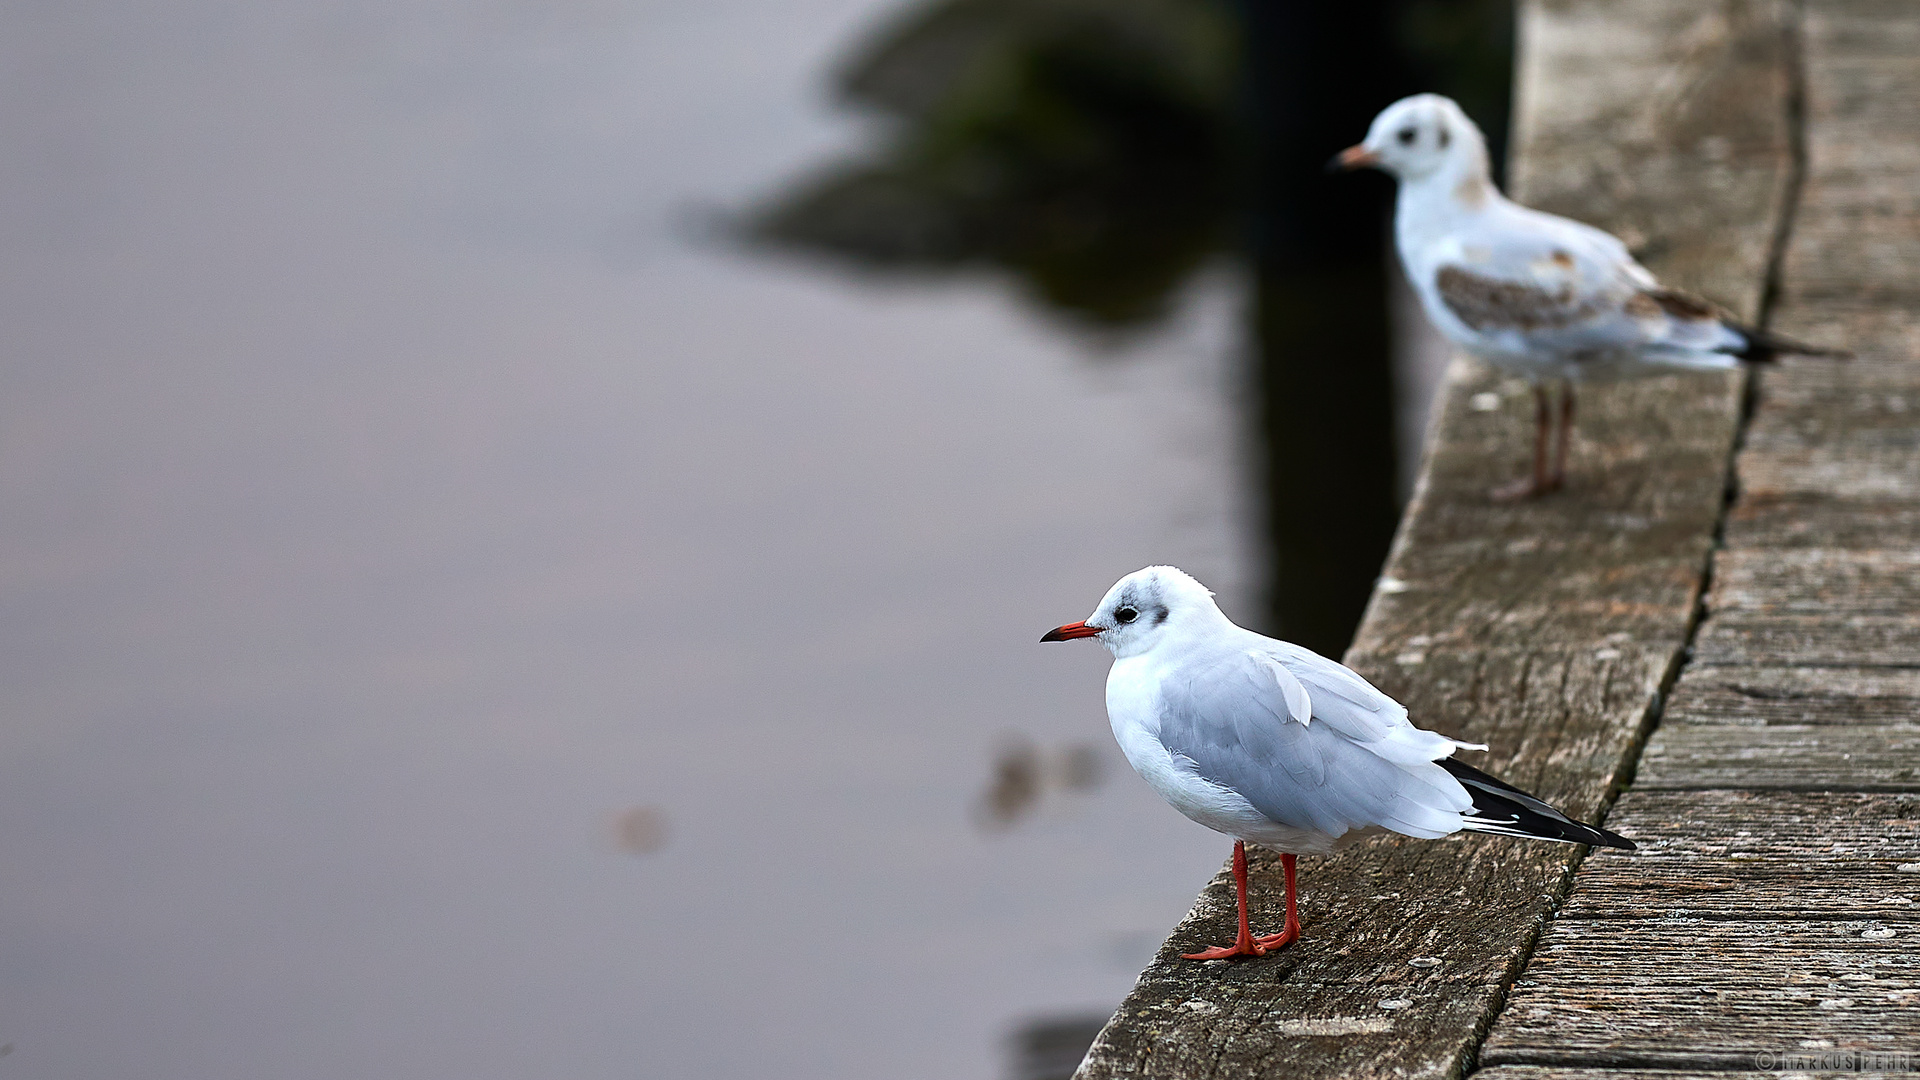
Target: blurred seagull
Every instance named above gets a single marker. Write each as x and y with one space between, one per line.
1542 296
1271 743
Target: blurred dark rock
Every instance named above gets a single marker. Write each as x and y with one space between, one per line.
1081 767
1022 775
1013 791
641 830
1088 148
1051 1049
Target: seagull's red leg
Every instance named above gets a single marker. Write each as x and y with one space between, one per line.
1245 944
1538 483
1292 929
1559 478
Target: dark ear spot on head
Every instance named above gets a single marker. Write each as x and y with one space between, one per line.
1159 616
1446 138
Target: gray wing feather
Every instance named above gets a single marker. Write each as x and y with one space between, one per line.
1359 710
1246 722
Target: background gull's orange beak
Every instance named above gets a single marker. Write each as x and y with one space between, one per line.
1069 632
1353 157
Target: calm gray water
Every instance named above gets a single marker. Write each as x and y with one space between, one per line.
457 626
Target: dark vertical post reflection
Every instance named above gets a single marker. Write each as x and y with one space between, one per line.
1315 75
1100 153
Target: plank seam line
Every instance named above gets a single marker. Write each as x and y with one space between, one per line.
1900 918
1794 49
1734 1061
1791 788
1808 665
1794 53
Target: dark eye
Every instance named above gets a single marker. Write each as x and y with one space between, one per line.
1126 614
1406 136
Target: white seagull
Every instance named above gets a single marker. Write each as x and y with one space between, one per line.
1274 744
1543 296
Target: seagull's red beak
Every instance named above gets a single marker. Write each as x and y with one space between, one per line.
1353 157
1069 632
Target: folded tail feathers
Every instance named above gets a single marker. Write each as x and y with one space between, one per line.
1757 346
1505 810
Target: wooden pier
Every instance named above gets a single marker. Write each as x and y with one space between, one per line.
1712 639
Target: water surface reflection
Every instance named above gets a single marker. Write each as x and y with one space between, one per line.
454 628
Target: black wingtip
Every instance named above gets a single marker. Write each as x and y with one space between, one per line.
1612 839
1504 810
1767 347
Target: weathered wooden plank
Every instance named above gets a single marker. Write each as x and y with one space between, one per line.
1780 1063
1753 640
1622 556
1349 1031
1882 466
1740 915
1756 696
1813 608
1750 856
1796 758
1808 520
1854 829
1847 413
1698 993
1840 431
1789 1062
1547 627
1874 389
1824 581
1828 433
1682 892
